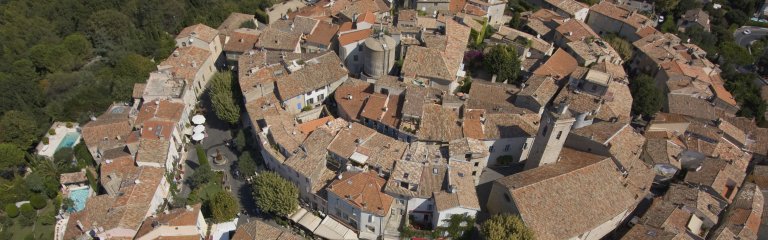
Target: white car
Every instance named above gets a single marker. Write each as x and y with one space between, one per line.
747 31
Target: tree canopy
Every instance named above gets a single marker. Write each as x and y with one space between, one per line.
10 156
504 227
223 99
224 207
274 194
621 46
502 60
647 98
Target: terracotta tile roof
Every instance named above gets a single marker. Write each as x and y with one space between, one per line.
366 17
260 108
242 40
694 107
460 147
695 16
744 217
691 197
323 33
175 218
153 151
601 132
138 90
200 31
298 24
666 215
75 177
553 199
351 97
615 70
275 39
542 88
575 30
760 176
185 62
610 10
460 181
735 134
109 129
310 160
493 97
593 50
439 124
443 64
662 151
345 142
559 65
568 6
498 126
354 37
363 190
315 73
644 232
579 102
316 11
474 10
164 110
259 230
619 105
125 211
310 126
233 22
384 151
283 131
423 180
472 126
511 35
716 173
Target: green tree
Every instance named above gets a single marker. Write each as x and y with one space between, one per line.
38 201
35 182
647 98
246 165
83 156
202 175
67 203
621 46
224 207
735 54
19 128
64 160
223 99
505 226
666 5
10 156
460 226
274 194
502 60
27 210
669 25
11 210
111 31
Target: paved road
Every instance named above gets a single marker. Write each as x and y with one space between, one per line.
745 40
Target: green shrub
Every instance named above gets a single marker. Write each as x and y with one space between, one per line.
48 219
46 140
27 210
70 125
11 210
202 158
26 221
38 201
262 16
52 131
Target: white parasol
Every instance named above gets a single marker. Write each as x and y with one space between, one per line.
198 129
198 136
198 119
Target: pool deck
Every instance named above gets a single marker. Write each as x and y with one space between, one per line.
55 140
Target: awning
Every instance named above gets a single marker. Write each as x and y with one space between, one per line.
310 221
331 229
359 158
296 216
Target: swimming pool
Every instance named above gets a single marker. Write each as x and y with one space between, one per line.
79 196
69 140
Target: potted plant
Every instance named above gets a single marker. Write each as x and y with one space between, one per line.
46 140
52 131
69 125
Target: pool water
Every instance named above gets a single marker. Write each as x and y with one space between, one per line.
79 196
69 141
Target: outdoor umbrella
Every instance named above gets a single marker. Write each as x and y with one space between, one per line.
198 119
198 129
198 136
